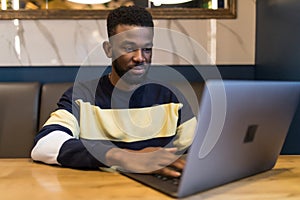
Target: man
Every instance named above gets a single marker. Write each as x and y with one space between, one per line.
123 119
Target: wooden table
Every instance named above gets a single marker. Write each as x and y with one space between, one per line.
24 179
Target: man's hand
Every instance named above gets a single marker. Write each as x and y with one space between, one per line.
149 160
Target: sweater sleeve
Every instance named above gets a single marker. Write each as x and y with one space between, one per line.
58 141
58 147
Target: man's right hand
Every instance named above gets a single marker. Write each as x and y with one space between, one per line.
148 160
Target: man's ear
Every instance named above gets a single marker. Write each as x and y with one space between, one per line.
107 49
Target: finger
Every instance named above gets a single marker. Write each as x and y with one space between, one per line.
179 164
169 172
171 150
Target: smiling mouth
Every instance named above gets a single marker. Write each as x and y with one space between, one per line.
137 70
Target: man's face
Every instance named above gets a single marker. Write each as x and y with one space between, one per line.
131 52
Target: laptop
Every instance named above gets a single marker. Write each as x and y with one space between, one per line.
241 128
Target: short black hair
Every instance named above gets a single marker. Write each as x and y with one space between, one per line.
128 15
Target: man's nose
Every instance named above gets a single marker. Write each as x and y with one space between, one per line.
138 56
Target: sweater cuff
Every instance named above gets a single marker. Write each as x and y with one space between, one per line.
83 154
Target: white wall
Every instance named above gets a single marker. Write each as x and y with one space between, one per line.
76 42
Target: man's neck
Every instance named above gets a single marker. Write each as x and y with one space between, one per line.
121 84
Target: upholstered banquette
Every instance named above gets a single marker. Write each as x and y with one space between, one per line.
25 106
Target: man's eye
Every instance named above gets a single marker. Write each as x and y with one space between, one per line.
128 49
147 50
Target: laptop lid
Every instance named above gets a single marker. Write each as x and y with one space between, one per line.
240 132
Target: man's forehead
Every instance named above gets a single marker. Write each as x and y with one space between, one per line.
133 28
132 32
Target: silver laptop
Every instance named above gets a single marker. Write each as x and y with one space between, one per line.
241 129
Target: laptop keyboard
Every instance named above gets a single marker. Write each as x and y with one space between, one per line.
166 184
172 180
163 183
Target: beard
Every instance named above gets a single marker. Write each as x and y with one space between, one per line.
128 77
